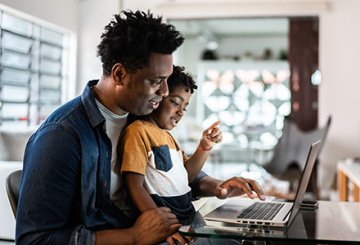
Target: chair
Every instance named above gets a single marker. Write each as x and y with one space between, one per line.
291 151
12 188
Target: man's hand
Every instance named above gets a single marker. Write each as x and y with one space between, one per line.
155 225
237 186
179 239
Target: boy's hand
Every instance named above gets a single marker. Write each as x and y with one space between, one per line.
211 136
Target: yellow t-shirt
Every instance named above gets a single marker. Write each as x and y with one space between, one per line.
151 151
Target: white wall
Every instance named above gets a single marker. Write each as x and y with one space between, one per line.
140 4
94 15
339 92
59 12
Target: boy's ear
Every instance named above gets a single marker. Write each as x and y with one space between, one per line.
118 73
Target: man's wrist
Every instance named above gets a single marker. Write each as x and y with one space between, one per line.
208 185
134 235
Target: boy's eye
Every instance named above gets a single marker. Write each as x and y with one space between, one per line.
174 102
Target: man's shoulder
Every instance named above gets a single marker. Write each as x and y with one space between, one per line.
71 116
67 111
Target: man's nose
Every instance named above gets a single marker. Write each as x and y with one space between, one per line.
163 89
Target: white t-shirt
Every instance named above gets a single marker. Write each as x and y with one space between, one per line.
114 125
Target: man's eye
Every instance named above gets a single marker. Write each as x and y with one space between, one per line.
156 82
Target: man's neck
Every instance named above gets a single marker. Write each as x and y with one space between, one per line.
104 95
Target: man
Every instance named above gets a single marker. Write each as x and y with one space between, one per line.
68 185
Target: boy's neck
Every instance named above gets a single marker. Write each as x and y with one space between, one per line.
150 119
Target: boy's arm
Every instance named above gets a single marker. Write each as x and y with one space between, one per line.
138 194
195 163
210 137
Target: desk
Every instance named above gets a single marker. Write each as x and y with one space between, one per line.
349 180
332 222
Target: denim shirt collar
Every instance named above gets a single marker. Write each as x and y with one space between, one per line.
88 100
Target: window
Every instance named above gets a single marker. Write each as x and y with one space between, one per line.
33 74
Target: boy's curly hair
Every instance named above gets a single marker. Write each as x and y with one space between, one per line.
131 38
180 78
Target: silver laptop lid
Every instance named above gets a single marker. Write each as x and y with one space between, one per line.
304 180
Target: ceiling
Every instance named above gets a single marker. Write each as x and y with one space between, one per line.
232 27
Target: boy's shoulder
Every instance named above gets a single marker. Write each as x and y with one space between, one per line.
141 126
138 123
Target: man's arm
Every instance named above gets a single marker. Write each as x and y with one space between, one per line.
50 188
153 226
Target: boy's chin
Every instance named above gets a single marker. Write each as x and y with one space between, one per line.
170 127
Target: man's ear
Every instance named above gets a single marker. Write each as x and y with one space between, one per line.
118 73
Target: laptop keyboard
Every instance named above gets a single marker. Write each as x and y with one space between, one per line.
261 210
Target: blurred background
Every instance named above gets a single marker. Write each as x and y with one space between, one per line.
257 64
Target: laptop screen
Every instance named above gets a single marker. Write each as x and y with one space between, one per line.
304 180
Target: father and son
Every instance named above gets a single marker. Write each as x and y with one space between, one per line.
103 168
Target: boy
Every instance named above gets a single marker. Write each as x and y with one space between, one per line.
156 171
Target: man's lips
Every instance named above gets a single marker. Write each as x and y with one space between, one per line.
154 104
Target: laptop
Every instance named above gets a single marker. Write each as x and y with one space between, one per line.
266 213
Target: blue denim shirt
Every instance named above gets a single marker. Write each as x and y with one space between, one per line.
65 189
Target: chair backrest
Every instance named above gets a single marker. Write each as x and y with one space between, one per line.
12 189
293 146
